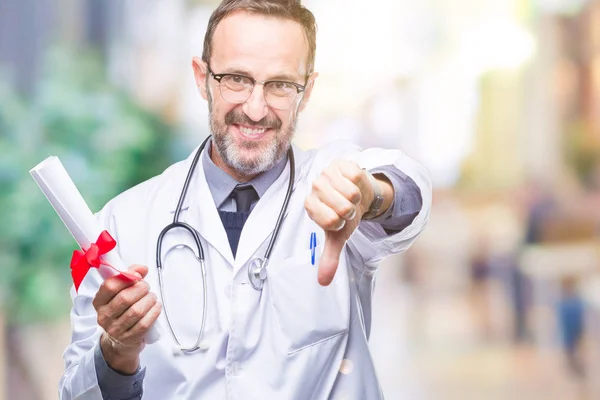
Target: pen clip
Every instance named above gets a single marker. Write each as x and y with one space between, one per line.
313 245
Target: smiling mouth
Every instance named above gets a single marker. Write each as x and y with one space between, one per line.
252 133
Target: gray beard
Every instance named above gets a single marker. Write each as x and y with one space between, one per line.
232 155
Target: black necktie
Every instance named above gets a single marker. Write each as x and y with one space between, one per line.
244 196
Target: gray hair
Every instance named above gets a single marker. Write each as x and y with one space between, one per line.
285 9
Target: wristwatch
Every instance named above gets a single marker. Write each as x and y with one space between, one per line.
377 199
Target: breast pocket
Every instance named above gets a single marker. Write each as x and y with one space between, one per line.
306 312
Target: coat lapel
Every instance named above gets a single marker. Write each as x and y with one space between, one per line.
200 212
261 223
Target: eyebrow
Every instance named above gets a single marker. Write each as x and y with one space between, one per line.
277 77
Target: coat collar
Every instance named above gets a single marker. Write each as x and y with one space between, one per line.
221 184
199 208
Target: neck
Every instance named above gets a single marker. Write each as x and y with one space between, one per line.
218 160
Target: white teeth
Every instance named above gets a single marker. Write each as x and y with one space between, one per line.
247 131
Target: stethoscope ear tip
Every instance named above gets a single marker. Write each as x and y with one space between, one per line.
178 351
204 345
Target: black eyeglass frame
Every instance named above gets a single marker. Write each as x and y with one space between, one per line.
218 77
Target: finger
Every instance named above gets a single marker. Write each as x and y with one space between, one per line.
142 270
113 285
322 214
351 171
126 298
109 289
358 177
342 184
132 274
144 324
133 314
330 258
326 192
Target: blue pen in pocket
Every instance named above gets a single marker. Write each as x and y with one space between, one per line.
313 245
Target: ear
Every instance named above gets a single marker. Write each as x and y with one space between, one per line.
200 71
307 92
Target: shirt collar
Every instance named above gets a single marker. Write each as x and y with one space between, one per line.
221 184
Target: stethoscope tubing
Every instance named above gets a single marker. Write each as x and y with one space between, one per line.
177 224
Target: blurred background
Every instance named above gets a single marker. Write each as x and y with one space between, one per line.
500 99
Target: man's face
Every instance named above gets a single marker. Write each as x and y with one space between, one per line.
251 137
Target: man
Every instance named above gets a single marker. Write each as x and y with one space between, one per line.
303 333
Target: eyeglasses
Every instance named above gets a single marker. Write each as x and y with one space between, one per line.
237 89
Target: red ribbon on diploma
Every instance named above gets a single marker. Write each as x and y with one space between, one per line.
82 261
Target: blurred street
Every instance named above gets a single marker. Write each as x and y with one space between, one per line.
436 348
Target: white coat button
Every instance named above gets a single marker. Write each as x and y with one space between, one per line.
346 367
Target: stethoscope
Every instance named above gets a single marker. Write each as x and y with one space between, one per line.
257 270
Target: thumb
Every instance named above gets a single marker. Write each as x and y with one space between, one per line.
334 244
140 270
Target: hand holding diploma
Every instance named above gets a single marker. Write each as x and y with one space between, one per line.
126 309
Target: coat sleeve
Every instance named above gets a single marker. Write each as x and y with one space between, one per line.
79 380
370 243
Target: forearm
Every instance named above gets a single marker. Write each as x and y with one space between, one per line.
122 360
113 383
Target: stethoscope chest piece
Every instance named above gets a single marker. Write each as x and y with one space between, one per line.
179 350
257 270
257 273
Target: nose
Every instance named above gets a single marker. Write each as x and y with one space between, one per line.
256 107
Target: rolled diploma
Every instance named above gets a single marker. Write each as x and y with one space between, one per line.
61 192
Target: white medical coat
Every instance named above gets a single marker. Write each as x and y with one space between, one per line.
294 340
